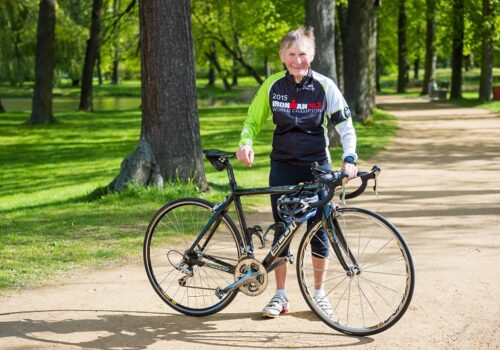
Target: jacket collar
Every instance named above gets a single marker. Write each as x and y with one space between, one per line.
305 79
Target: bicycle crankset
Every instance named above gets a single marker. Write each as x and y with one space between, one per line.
258 284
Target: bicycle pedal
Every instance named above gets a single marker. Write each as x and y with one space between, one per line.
290 258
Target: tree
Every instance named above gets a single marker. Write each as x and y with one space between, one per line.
71 35
18 33
115 77
402 58
169 147
246 32
320 14
359 49
340 31
488 26
430 46
457 49
41 112
211 55
218 22
91 54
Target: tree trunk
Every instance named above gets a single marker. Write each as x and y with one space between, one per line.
99 70
339 58
416 66
41 112
267 66
341 43
402 59
360 74
458 48
211 75
320 14
169 148
430 47
115 75
377 71
235 74
2 109
212 58
486 82
235 63
91 53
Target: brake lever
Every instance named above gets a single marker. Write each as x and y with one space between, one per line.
342 195
375 176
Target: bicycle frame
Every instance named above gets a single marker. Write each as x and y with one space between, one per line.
245 238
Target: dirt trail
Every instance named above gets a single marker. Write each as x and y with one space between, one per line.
439 185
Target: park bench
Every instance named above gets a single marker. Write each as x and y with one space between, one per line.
438 90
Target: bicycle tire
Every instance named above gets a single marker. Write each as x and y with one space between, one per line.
374 299
171 231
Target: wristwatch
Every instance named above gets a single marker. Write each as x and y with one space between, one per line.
349 159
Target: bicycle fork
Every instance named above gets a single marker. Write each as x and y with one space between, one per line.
340 245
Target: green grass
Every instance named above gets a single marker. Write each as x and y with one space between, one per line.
470 86
207 96
470 99
470 80
48 224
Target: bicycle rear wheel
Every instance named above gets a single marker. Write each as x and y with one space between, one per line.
186 280
377 288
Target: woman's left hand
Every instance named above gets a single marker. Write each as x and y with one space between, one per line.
350 169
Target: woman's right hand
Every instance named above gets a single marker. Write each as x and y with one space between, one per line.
245 155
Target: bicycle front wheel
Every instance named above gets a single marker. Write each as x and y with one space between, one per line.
373 289
186 279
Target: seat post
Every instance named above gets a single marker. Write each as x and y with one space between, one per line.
230 175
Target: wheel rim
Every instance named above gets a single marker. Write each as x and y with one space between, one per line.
171 234
376 292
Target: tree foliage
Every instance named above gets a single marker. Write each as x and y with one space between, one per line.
18 23
247 32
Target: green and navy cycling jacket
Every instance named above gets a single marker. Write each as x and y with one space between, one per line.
300 113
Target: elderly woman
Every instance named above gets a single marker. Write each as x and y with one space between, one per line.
300 102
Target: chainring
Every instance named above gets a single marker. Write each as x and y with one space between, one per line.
253 288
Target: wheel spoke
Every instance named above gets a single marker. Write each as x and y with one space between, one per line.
175 229
377 289
381 285
396 258
385 273
366 298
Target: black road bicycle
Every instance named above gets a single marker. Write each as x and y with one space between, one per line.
369 269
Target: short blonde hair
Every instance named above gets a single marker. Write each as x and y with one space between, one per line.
303 36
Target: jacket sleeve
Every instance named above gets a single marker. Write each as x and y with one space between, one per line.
340 115
258 112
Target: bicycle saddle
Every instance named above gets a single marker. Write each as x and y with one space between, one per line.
218 158
215 153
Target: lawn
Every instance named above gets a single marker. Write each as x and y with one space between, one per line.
48 222
470 86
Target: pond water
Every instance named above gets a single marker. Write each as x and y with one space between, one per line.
68 104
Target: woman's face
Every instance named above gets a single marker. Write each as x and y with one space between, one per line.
297 59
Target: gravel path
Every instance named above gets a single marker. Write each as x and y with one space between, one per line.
439 185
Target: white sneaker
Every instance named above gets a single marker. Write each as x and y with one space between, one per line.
277 306
324 305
